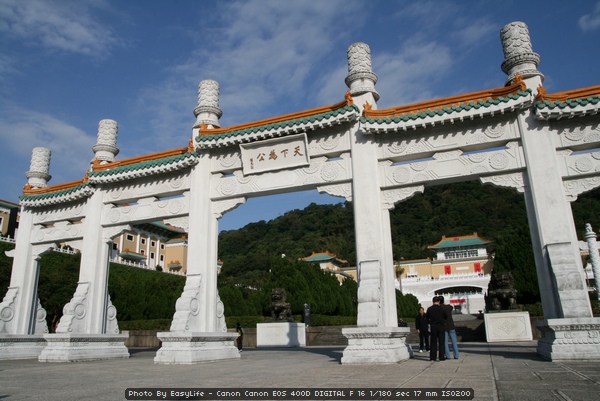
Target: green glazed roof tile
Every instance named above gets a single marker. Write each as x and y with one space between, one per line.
447 109
55 194
287 123
142 165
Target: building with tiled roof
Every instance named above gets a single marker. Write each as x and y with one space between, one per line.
9 218
460 271
330 262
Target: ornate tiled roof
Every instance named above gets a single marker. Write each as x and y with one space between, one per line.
55 194
459 241
322 257
127 254
450 109
279 126
142 166
412 261
8 204
573 103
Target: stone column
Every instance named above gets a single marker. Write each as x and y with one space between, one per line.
198 332
21 332
88 329
105 149
377 339
590 238
569 330
208 111
519 57
22 319
39 168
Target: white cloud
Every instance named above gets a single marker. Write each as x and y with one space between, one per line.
21 130
410 75
57 25
591 22
263 54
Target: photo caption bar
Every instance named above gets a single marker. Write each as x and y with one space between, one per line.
235 394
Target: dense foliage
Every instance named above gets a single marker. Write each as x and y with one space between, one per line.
496 214
253 264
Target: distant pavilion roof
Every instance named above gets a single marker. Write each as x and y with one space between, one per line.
460 241
127 254
323 257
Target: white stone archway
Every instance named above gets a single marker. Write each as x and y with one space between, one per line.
516 136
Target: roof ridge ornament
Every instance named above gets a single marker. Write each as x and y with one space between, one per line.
349 99
518 80
541 94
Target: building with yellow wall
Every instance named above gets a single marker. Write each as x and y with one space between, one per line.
461 271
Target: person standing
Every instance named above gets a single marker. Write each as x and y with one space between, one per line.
436 315
240 337
449 330
422 326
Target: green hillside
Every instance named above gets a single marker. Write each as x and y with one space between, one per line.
253 264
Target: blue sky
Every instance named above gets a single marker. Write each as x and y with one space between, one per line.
65 65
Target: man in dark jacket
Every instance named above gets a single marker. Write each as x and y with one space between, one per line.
449 330
422 326
436 315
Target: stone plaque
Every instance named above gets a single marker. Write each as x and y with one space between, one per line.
507 326
275 154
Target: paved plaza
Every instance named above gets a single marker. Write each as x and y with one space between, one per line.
500 371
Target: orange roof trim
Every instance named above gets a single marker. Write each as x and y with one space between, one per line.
431 105
566 95
29 190
348 101
96 166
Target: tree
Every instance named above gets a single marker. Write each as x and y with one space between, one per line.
514 253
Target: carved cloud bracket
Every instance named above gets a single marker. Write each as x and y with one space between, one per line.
512 180
220 207
574 188
392 196
342 190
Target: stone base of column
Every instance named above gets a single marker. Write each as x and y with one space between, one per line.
17 346
570 339
83 347
376 345
190 348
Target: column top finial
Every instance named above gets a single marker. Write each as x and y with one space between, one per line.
361 78
208 110
519 57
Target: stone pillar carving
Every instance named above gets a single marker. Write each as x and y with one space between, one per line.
208 111
22 319
377 339
105 148
590 238
39 168
519 57
198 332
361 78
568 319
88 329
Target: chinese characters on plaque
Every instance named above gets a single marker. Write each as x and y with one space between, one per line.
275 154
